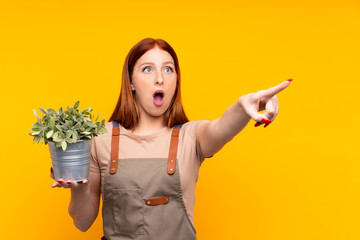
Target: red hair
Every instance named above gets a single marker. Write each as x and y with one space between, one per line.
126 111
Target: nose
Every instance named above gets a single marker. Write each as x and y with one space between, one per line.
159 79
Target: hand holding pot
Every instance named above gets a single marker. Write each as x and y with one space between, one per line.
68 183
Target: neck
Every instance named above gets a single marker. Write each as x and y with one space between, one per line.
149 125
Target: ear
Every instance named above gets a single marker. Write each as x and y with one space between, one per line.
132 87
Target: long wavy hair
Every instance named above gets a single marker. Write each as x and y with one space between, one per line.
126 111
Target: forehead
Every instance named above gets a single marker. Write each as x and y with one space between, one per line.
156 55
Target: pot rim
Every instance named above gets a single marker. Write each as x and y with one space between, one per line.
79 140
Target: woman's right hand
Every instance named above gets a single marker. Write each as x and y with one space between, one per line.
67 184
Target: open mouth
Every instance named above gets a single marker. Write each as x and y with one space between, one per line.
158 97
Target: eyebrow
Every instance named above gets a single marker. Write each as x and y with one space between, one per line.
153 63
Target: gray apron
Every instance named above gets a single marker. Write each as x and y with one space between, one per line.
142 197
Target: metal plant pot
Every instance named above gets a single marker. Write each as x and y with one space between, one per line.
73 163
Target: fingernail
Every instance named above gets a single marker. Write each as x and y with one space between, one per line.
289 80
52 186
257 124
266 124
51 170
265 121
68 182
59 181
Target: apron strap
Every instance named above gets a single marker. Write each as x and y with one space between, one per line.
173 149
114 147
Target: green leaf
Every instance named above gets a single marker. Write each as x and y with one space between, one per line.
49 134
43 110
77 126
75 136
36 133
36 114
69 133
97 117
70 140
86 133
63 145
90 124
102 130
52 124
58 127
51 111
87 119
56 138
68 123
77 104
61 135
88 110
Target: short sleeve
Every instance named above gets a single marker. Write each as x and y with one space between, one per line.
94 163
199 153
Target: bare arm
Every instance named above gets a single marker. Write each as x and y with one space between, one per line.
213 135
85 199
84 203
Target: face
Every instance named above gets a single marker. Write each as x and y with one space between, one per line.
154 82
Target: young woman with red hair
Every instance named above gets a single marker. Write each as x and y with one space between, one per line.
146 166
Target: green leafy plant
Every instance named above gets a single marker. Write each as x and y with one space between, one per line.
65 127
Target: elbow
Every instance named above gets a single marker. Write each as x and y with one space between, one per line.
83 224
82 227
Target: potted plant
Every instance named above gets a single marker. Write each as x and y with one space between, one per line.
69 135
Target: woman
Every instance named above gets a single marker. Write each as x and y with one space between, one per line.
146 165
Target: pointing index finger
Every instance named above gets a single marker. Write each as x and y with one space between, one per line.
274 90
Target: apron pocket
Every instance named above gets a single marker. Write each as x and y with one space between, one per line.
128 211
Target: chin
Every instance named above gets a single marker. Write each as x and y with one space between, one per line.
159 113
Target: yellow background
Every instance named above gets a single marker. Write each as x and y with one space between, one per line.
296 179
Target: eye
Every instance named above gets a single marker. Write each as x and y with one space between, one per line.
170 69
145 68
